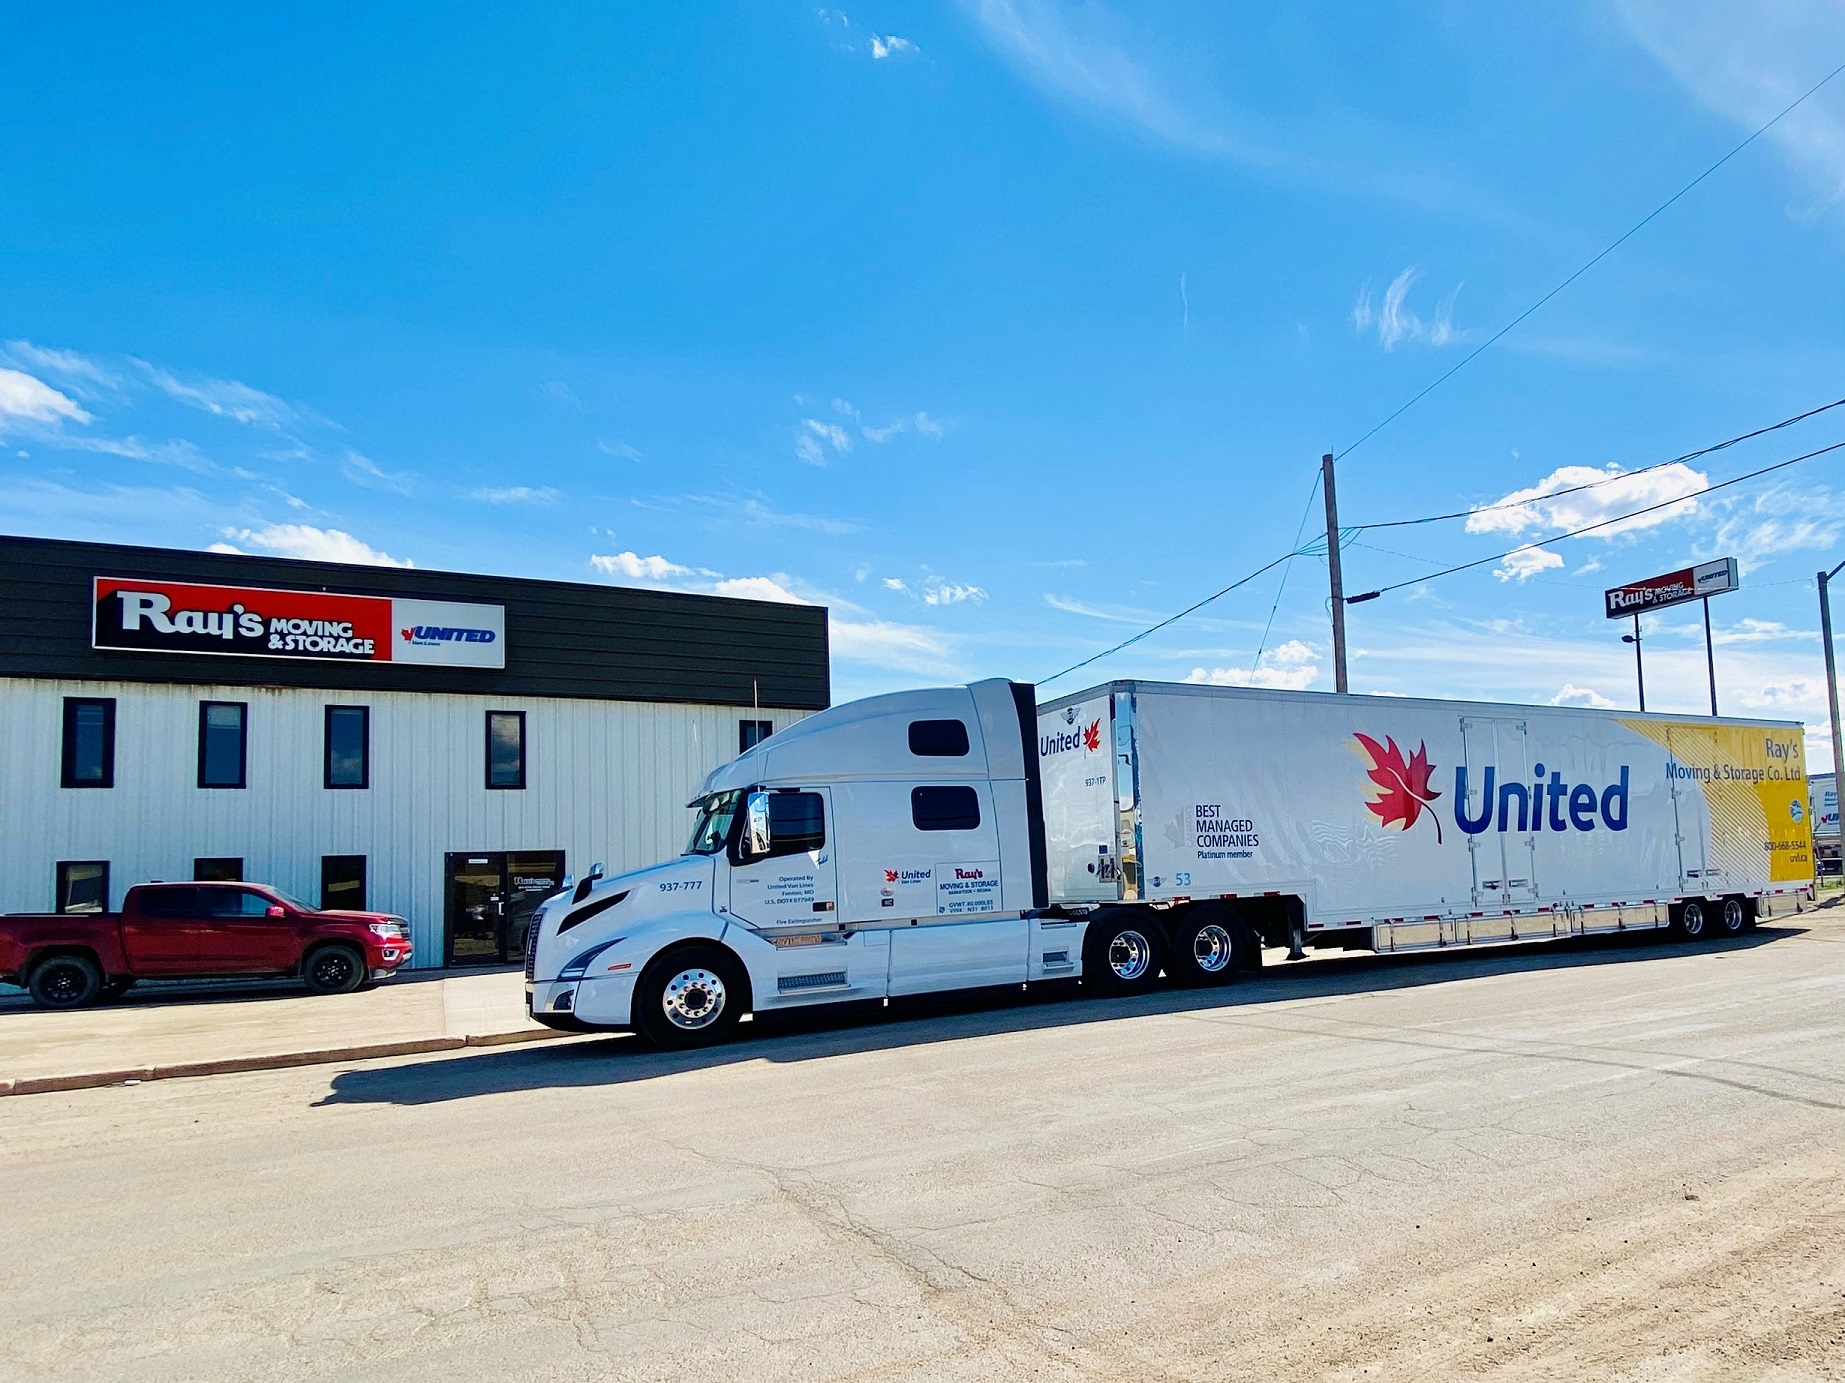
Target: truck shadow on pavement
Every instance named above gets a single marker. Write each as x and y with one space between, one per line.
805 1036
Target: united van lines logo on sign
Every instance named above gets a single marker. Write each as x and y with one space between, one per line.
1088 739
1401 784
259 622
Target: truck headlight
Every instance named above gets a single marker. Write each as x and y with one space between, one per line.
390 929
579 967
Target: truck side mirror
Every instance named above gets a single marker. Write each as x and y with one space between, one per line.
276 910
756 826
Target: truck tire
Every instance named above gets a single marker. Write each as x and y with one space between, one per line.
1121 953
692 997
1209 945
333 970
65 982
1693 921
1733 917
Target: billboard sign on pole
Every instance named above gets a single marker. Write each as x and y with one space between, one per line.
1672 588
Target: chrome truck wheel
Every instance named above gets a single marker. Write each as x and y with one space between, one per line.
691 997
1208 946
1121 953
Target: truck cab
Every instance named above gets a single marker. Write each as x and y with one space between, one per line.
885 847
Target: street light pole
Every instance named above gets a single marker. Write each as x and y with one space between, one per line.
1639 667
1710 659
1832 677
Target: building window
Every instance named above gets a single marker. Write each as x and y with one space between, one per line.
348 747
223 744
89 742
938 739
342 882
218 869
751 733
506 749
945 809
83 886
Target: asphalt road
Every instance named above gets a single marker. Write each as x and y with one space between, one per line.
1620 1161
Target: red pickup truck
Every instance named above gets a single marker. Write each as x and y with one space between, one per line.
196 931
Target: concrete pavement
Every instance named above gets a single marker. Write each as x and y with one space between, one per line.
1620 1161
160 1031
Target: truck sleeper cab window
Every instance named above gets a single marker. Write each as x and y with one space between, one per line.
945 808
938 739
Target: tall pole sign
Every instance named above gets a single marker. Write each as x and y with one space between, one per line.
1673 588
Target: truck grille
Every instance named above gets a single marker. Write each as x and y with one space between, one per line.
531 949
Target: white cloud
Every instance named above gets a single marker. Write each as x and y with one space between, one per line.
949 593
362 470
900 647
1077 607
1526 563
1395 323
224 398
1572 695
68 364
310 543
922 422
808 450
621 449
830 432
1779 521
758 588
638 568
1615 493
751 509
896 583
1294 666
1748 62
514 494
884 47
27 399
1752 630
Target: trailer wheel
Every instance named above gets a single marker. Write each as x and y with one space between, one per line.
1209 945
1733 919
1121 954
1693 919
65 982
689 998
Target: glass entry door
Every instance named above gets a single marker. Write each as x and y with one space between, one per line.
491 897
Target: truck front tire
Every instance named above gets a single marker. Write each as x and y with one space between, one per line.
65 982
1209 945
1121 953
333 970
692 997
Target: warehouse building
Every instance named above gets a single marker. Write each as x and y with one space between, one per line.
441 746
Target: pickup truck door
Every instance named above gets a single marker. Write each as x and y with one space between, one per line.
162 929
795 884
239 934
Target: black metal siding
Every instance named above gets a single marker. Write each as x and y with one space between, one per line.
562 638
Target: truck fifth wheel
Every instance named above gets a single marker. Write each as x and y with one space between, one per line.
964 837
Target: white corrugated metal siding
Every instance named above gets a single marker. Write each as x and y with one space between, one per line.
605 780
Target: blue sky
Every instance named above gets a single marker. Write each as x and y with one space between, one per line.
1002 328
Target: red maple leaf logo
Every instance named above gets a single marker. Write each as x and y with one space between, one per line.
890 876
1402 786
1092 736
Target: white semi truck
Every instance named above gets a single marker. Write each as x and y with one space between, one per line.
965 836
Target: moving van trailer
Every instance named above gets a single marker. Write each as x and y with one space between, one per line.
960 837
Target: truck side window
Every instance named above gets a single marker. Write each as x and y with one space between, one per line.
938 739
797 823
945 809
168 902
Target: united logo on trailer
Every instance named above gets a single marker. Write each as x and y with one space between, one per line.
132 615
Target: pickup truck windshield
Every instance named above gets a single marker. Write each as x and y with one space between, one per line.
714 817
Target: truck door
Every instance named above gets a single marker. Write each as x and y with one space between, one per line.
794 883
162 929
240 935
1504 862
1697 875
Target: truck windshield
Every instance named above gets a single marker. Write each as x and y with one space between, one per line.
714 817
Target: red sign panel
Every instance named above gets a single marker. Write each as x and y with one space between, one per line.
1671 588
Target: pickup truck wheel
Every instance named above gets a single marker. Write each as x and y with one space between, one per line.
333 970
689 998
1209 945
65 982
1121 954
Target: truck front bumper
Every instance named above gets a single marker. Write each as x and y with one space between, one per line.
598 1002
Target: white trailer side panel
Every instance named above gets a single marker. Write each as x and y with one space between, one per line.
1376 809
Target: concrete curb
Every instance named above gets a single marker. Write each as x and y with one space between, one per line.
43 1085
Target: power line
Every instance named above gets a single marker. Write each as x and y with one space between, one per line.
1593 484
1172 619
1299 529
1638 226
1590 528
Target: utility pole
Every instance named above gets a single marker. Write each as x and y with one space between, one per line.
1832 676
1639 665
1338 581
